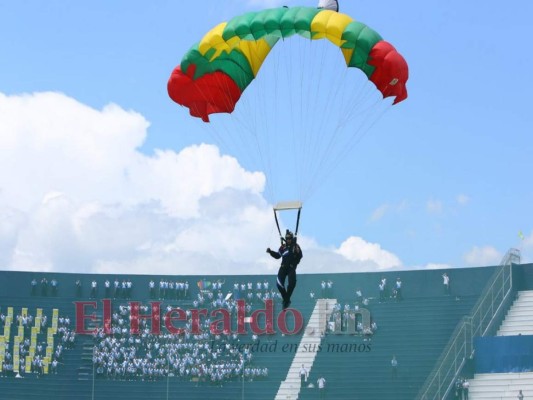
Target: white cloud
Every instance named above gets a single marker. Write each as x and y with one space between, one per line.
12 221
356 249
434 206
436 266
384 209
479 256
379 212
462 199
77 195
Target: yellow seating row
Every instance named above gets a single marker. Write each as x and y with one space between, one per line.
19 338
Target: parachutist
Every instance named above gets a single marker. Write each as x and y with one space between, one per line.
290 254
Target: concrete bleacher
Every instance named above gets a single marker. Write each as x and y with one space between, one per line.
519 319
501 386
415 330
505 385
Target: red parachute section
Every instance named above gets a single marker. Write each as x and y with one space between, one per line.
391 73
212 93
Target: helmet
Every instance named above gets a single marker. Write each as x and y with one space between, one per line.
288 235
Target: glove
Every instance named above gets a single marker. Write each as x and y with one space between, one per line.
268 250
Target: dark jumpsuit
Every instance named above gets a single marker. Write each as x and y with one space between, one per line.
290 258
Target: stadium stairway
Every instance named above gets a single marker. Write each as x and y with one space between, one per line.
519 318
518 321
501 386
85 369
312 338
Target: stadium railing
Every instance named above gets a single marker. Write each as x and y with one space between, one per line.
495 299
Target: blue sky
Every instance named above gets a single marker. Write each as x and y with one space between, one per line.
100 171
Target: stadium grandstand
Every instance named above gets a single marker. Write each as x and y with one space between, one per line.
369 336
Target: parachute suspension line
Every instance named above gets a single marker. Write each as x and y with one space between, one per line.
308 62
295 125
320 131
278 128
301 92
260 124
316 60
313 144
362 131
297 114
337 129
300 67
308 135
273 130
264 146
316 139
341 148
218 138
232 132
302 129
241 128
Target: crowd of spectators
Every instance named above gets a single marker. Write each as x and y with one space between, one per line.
392 291
115 290
44 288
326 289
166 289
169 290
118 289
254 293
345 318
462 387
202 357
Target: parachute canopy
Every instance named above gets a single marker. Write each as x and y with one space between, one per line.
214 73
